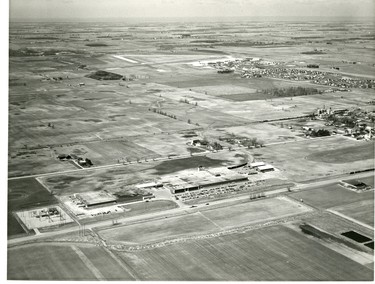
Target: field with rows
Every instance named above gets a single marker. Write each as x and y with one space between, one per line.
274 253
64 262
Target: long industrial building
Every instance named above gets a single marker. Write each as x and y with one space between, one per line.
194 180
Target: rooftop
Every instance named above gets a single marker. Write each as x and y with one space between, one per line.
96 197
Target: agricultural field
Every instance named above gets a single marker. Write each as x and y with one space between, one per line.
345 155
205 221
25 194
139 98
332 195
64 262
362 211
305 159
288 255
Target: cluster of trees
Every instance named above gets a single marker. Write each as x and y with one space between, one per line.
23 52
292 92
252 142
216 146
104 75
51 125
246 142
190 122
163 113
347 120
186 101
204 142
320 133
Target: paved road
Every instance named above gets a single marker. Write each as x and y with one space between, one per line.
180 210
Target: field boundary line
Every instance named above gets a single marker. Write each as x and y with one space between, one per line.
121 263
88 263
204 216
42 184
350 219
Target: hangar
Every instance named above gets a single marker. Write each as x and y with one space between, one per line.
96 198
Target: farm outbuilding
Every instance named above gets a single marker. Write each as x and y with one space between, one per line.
266 168
257 164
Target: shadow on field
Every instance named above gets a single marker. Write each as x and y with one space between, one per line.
172 166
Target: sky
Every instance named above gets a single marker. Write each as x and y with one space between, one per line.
88 9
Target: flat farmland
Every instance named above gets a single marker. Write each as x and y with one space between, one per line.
34 161
64 262
273 253
332 195
295 158
103 179
223 90
205 221
362 210
255 212
167 58
158 230
108 267
277 108
108 152
364 151
265 132
164 144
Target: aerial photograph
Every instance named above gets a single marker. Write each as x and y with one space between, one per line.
190 140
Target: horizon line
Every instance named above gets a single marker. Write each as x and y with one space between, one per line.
211 18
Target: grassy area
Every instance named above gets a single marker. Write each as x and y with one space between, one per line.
24 194
157 230
274 253
14 227
63 262
46 262
203 222
108 267
361 152
303 160
331 196
253 212
362 211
